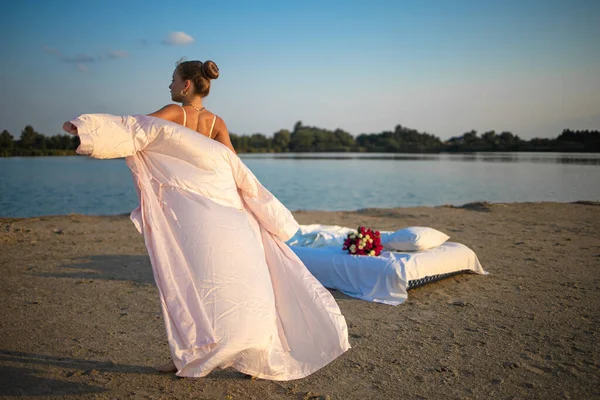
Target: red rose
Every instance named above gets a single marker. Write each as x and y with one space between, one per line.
374 244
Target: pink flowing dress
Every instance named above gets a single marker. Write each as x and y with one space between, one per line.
232 292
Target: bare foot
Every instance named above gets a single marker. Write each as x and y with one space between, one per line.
168 367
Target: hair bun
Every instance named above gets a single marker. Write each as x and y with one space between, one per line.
210 70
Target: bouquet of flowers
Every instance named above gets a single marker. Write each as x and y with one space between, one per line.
364 242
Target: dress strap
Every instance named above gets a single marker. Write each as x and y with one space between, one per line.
212 126
184 115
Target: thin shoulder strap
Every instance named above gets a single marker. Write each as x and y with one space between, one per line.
212 126
184 115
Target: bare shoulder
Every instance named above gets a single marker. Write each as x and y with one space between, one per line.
170 112
222 134
220 125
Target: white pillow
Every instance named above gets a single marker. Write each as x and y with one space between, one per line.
413 238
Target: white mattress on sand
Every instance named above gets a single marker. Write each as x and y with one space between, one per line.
382 279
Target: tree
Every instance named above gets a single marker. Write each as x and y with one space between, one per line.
345 141
40 141
6 140
302 140
258 141
239 142
586 140
28 137
506 138
470 137
297 126
490 140
322 141
281 140
75 142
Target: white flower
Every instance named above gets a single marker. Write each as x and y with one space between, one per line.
372 252
360 235
353 246
367 237
353 236
353 250
361 247
370 240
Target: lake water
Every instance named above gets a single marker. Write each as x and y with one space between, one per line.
316 181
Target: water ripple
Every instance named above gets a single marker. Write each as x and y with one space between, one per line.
62 185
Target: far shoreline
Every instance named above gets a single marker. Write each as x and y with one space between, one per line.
388 154
473 206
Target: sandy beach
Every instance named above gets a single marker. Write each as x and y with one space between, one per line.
80 314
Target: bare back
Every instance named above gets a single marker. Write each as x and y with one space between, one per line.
202 121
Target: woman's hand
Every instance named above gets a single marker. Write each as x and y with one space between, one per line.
70 128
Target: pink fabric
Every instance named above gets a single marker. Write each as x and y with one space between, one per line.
232 292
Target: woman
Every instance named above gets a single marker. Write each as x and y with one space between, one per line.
232 292
190 84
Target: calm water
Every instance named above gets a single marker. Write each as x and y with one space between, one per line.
325 181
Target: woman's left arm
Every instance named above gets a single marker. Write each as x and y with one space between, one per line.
170 112
109 136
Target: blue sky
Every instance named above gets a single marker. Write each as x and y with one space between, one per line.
443 67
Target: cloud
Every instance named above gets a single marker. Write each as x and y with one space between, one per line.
82 61
51 50
78 59
116 54
178 39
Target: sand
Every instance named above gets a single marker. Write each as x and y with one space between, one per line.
80 315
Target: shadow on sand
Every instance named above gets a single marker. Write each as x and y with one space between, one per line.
129 268
122 267
19 381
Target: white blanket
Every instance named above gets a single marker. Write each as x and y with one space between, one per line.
232 293
317 235
381 279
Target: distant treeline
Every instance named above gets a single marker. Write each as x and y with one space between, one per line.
311 139
33 143
405 140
